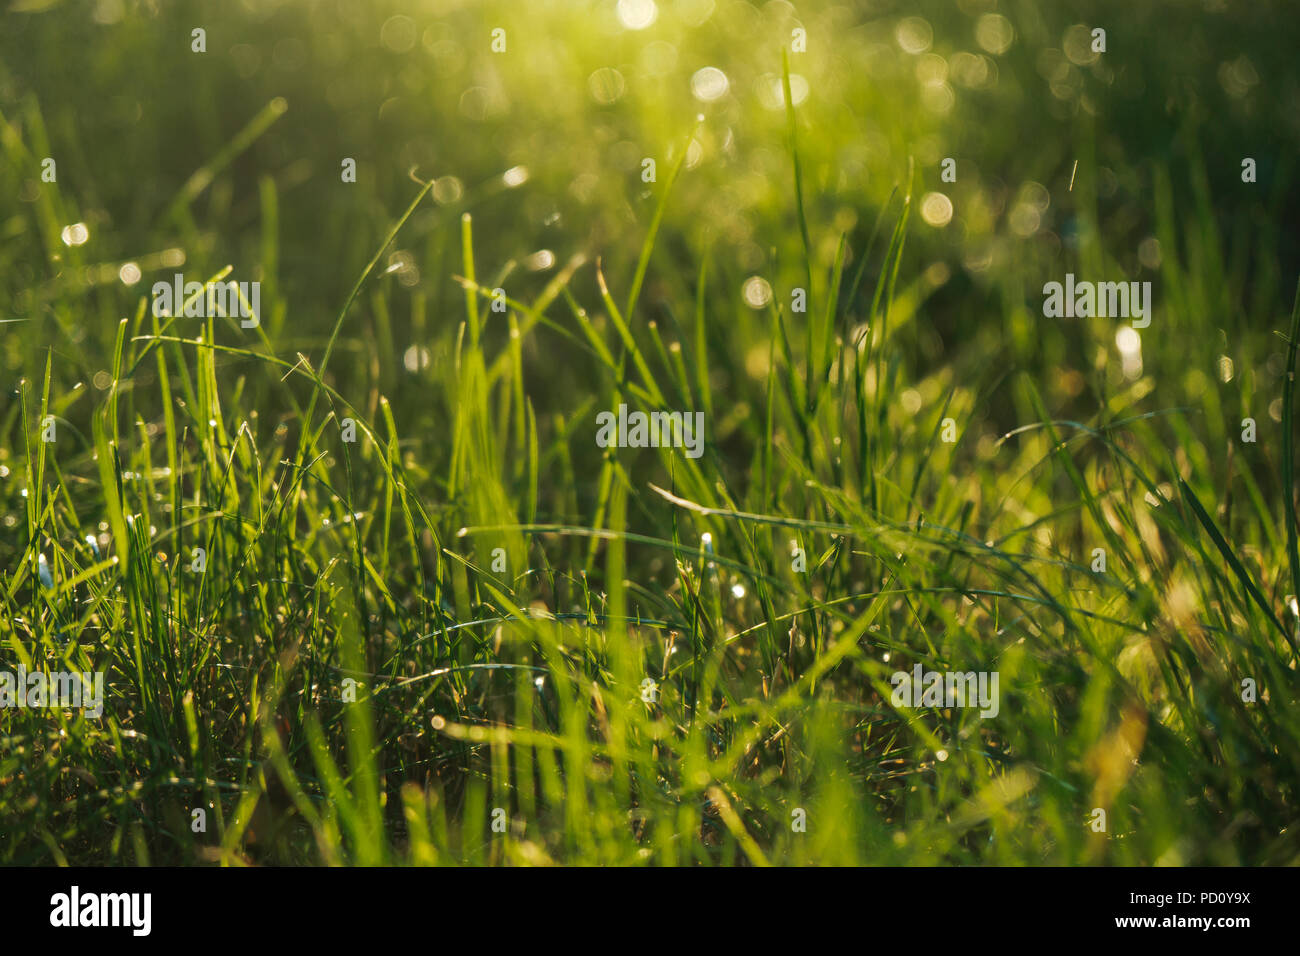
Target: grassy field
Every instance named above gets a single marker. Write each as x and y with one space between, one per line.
471 634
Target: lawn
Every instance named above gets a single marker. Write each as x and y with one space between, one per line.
642 432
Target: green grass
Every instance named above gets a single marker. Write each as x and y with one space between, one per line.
335 568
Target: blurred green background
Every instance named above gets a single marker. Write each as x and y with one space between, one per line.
1159 125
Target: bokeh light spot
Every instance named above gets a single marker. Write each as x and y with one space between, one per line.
914 34
757 292
936 209
637 14
75 235
994 33
398 34
709 84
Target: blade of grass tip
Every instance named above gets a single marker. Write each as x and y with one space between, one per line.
531 313
769 426
683 375
268 200
643 261
625 333
780 520
1288 447
923 461
794 385
798 174
1217 537
849 343
338 323
702 342
852 295
823 373
37 482
884 294
31 513
203 176
517 397
885 291
467 254
532 481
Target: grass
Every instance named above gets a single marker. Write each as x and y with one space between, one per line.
429 646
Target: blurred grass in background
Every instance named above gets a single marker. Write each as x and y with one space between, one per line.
520 689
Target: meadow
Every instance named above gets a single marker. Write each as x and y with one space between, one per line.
366 584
